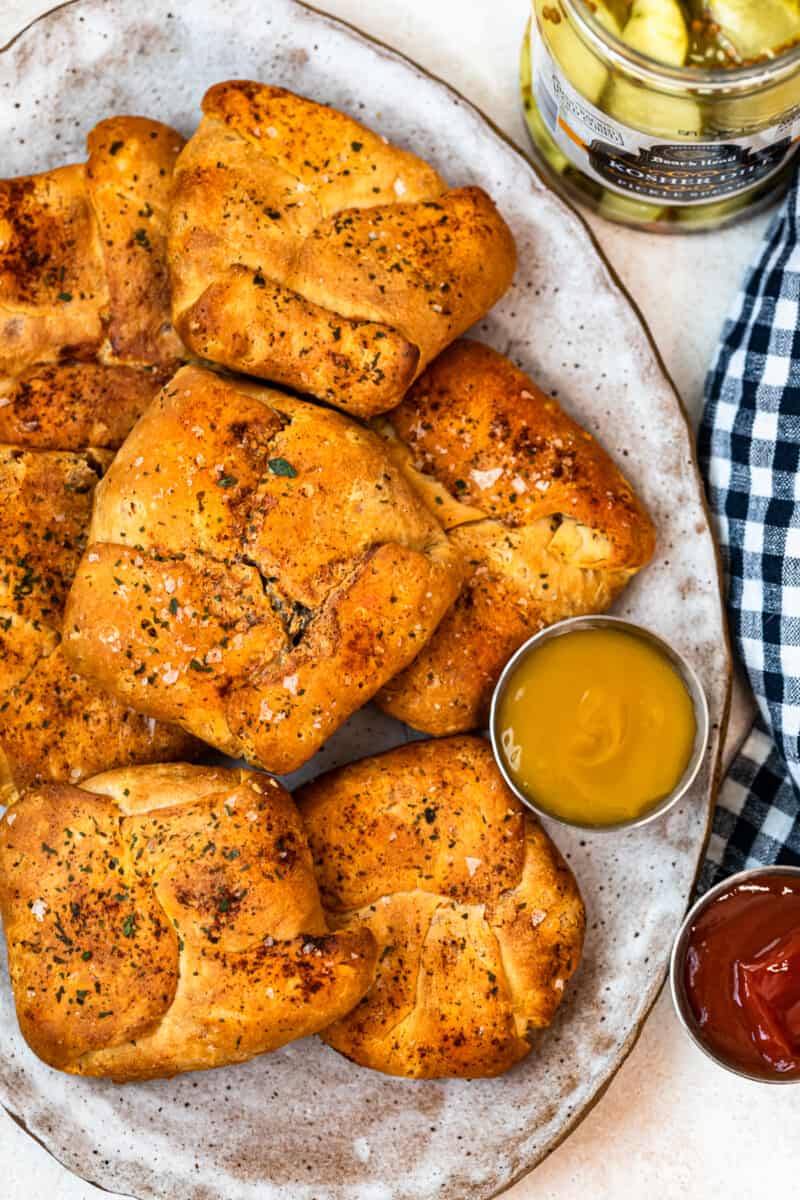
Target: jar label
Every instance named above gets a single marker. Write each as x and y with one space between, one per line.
633 164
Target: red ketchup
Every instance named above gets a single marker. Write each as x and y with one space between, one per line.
742 976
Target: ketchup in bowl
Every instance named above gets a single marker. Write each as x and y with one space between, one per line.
738 987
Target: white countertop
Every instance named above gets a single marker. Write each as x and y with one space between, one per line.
671 1125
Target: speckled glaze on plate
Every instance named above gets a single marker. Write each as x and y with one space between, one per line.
303 1124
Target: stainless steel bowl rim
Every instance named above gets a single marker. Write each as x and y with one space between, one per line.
687 673
677 957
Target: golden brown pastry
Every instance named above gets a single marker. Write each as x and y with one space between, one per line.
85 343
166 918
82 256
85 334
547 526
75 405
256 570
55 725
478 919
307 250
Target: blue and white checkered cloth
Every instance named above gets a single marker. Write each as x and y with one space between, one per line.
750 453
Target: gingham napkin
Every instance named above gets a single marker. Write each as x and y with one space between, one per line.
750 453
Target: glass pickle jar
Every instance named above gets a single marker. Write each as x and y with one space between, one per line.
667 148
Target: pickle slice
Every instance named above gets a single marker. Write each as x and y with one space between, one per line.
628 209
717 212
620 10
581 66
750 29
668 118
657 28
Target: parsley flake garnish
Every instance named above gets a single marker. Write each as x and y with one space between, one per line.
279 466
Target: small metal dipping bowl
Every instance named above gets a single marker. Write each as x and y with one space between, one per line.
685 672
678 960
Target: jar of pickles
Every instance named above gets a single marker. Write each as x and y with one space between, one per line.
674 115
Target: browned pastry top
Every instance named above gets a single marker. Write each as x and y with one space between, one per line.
256 569
82 254
164 919
85 343
76 405
480 427
307 250
478 919
546 524
55 725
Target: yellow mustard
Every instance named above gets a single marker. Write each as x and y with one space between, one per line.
596 726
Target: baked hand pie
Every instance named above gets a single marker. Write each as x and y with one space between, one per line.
307 250
478 919
55 725
546 524
86 342
84 291
165 919
256 570
82 257
75 405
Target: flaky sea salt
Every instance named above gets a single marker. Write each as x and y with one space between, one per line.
486 479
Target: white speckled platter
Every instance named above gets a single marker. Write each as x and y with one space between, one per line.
303 1124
